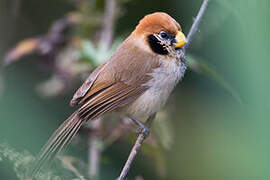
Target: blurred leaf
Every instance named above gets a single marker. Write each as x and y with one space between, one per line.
71 164
138 178
51 87
1 86
163 130
23 48
216 20
228 6
158 158
198 66
88 52
97 56
22 162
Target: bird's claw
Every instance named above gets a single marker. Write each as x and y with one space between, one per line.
143 130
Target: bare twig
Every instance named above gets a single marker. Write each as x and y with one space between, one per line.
46 46
135 150
94 148
105 42
16 7
195 24
141 137
108 22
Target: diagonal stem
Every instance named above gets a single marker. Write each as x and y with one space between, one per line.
142 136
195 24
135 149
105 41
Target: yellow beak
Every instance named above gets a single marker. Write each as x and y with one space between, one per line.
180 39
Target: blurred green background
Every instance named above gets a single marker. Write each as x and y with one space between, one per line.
215 137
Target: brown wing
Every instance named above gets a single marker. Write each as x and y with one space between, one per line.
116 83
113 97
79 94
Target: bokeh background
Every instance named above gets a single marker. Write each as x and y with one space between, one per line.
216 128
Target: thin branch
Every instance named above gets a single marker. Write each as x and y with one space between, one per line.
105 42
16 7
195 24
142 136
135 150
108 22
94 151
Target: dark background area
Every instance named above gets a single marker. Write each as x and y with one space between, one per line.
214 135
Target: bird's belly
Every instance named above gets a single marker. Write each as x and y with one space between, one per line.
148 103
161 85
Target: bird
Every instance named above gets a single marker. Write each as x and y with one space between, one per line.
135 81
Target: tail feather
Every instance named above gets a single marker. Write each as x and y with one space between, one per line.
53 148
54 141
59 140
70 136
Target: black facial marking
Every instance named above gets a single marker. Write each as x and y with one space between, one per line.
156 46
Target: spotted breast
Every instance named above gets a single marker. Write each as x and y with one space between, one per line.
164 79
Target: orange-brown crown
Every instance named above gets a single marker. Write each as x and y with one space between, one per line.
156 22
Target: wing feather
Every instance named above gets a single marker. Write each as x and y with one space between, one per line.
89 82
119 94
117 82
115 103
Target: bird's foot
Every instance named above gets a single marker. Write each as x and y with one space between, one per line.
143 130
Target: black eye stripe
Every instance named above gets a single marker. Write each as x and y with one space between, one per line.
156 45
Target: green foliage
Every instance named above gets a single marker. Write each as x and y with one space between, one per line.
198 66
211 137
22 162
96 56
163 130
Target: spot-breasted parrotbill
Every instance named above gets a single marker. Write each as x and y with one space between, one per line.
135 81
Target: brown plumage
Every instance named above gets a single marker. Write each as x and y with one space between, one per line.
156 22
117 84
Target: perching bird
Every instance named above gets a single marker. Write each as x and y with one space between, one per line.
136 81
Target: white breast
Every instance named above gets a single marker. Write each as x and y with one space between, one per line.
164 80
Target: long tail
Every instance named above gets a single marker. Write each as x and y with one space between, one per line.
59 140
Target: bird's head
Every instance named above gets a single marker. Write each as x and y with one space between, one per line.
161 33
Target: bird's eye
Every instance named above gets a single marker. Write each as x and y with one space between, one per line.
164 35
